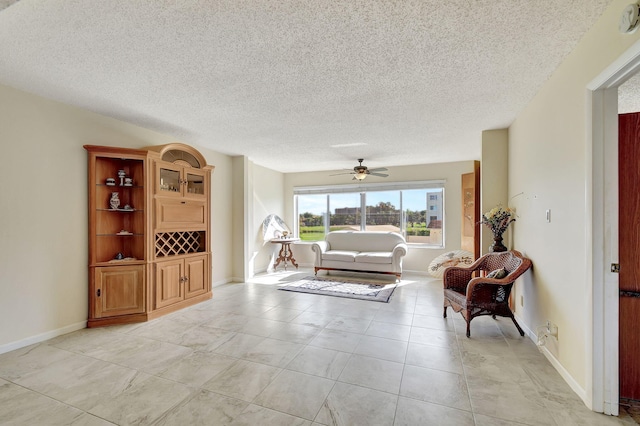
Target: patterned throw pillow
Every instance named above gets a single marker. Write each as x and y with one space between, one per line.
498 273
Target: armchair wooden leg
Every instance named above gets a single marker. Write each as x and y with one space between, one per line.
444 314
517 326
468 328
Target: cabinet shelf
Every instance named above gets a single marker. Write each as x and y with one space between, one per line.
120 210
119 186
120 235
118 262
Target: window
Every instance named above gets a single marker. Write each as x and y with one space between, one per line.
397 207
311 221
344 211
383 211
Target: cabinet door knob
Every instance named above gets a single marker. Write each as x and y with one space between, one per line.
98 293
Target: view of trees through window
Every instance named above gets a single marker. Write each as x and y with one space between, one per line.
415 213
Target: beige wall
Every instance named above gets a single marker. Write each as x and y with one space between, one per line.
43 205
494 181
240 217
418 258
547 163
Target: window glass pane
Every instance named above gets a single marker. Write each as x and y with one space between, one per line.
423 216
345 211
311 212
383 211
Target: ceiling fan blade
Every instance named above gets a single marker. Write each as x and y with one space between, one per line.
379 174
379 169
345 173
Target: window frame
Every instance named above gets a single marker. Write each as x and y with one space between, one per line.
363 189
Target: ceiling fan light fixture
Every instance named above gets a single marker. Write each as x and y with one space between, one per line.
360 176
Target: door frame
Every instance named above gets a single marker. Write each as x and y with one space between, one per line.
601 233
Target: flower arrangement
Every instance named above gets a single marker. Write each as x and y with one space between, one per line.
498 219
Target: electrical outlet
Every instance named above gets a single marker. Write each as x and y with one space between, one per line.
552 329
522 300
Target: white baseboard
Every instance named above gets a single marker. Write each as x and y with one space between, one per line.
579 390
221 282
8 347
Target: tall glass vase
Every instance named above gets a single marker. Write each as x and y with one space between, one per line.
497 245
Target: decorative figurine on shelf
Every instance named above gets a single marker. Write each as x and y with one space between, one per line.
119 256
121 175
114 202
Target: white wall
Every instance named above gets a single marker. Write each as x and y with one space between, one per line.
43 208
418 258
268 198
548 163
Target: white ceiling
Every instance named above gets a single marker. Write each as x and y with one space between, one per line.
297 85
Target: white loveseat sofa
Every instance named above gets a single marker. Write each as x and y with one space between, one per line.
380 252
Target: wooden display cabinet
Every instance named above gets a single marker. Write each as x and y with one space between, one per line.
181 224
149 254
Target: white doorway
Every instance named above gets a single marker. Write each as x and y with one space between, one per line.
602 227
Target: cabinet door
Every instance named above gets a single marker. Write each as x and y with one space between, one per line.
168 179
119 290
176 215
169 282
195 183
196 269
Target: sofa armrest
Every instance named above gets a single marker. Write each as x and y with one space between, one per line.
399 251
319 247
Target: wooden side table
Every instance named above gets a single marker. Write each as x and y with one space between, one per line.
285 255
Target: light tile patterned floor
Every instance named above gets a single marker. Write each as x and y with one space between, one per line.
254 355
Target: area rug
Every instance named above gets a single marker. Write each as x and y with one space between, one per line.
343 287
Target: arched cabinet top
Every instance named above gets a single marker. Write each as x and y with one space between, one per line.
181 154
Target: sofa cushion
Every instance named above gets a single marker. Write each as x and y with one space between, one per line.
374 257
363 240
341 255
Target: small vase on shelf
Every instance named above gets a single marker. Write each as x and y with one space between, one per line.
497 245
114 202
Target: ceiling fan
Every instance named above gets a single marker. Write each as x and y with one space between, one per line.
360 172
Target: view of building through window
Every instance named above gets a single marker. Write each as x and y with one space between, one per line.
415 213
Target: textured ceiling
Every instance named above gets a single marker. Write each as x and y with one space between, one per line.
629 95
298 85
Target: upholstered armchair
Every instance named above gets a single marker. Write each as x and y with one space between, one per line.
487 294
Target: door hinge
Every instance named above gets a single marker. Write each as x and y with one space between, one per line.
615 268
